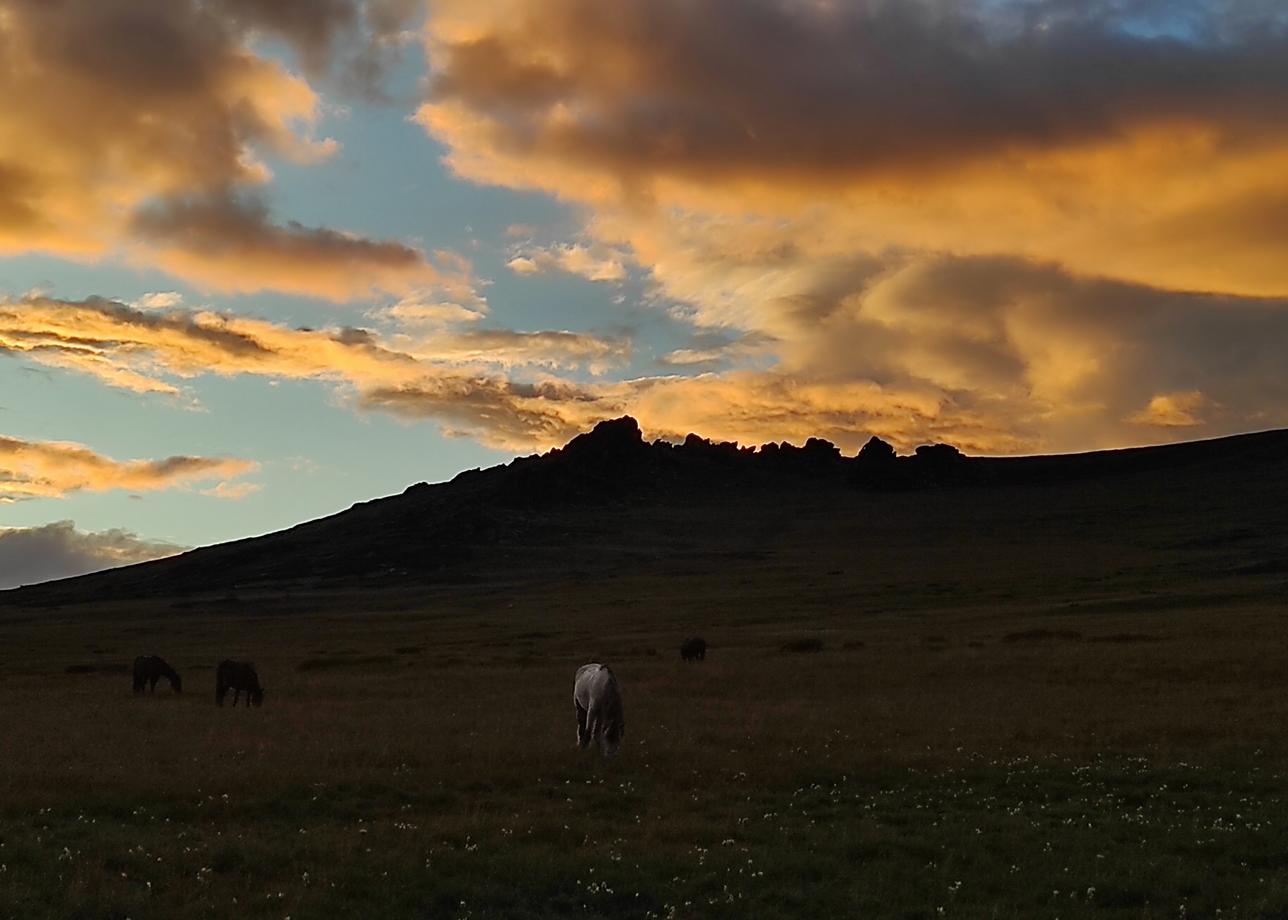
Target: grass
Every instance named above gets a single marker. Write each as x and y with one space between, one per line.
959 773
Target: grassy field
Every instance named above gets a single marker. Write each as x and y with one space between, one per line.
419 761
989 705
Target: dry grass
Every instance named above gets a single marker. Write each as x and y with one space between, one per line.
421 763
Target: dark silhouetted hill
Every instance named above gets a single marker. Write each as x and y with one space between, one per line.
609 502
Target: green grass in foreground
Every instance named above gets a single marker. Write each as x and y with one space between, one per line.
1017 838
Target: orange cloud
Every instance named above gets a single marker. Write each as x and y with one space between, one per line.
155 351
996 356
151 351
1160 164
448 378
135 128
1172 410
507 348
1006 252
51 469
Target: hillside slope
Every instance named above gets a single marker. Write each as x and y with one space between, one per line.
609 503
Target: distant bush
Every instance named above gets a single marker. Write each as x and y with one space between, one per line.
1126 637
409 649
853 644
804 644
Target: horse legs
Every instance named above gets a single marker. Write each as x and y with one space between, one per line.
153 684
236 695
583 737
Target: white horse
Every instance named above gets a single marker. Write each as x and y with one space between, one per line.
599 708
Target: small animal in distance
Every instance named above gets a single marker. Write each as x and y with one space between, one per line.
694 649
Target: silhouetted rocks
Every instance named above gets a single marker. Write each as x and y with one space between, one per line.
877 466
616 441
876 453
725 452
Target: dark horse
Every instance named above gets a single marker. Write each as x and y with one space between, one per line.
238 676
694 650
148 669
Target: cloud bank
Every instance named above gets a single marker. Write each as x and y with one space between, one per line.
1064 230
993 355
1028 225
29 555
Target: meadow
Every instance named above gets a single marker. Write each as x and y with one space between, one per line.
422 764
988 705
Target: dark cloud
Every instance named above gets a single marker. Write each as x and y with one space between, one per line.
723 88
232 242
356 40
498 411
29 555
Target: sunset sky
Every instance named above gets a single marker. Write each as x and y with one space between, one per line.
261 259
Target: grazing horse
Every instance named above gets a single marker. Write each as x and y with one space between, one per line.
694 650
599 708
148 669
238 676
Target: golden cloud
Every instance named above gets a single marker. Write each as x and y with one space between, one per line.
1172 410
508 348
1161 164
448 378
134 128
50 469
993 355
1016 250
157 350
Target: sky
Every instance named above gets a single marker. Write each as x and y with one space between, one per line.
262 259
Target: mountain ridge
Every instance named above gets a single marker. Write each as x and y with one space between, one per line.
575 506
